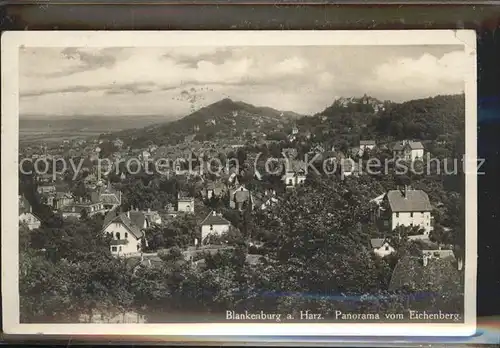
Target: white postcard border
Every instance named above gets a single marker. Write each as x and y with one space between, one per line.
12 41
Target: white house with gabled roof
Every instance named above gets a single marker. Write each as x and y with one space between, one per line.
408 150
214 223
381 247
408 207
125 231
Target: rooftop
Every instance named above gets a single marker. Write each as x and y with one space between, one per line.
377 242
439 274
414 145
409 200
442 254
215 219
123 218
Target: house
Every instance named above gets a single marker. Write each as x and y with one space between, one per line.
266 200
144 218
378 200
58 200
408 207
125 233
185 204
170 210
317 149
376 207
90 180
214 189
444 254
152 148
408 150
145 155
367 145
214 224
26 215
295 174
78 208
45 178
355 152
240 198
46 189
348 167
108 196
118 143
290 153
441 275
233 179
381 247
151 217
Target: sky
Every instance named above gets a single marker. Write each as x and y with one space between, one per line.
175 81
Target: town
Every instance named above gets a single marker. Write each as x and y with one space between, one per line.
203 239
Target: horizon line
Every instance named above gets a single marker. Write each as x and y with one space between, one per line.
30 115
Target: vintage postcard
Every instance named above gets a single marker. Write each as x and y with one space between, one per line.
224 183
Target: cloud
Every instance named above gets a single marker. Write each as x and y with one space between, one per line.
423 76
174 81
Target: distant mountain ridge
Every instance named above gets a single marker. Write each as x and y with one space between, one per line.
343 122
223 119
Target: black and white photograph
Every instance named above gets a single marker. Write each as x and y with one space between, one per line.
246 179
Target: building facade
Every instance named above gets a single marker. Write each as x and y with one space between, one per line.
381 247
125 235
408 207
408 150
214 224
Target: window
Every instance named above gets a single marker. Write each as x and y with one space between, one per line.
290 182
386 248
397 215
113 248
117 235
411 214
211 227
120 248
126 235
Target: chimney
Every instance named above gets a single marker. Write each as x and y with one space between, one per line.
128 214
149 210
214 213
424 259
405 191
460 264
